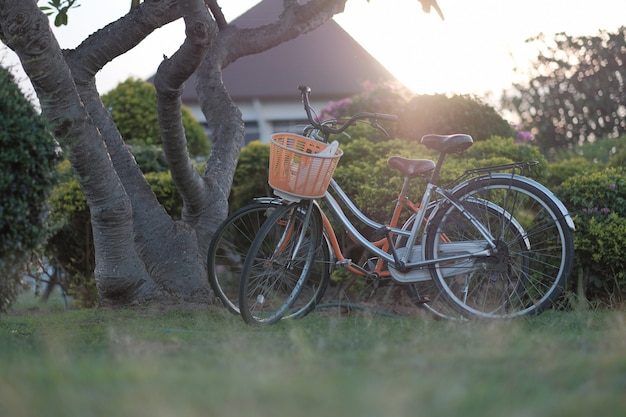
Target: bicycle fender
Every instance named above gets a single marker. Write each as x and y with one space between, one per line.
530 182
267 200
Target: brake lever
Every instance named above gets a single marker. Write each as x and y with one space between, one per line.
374 123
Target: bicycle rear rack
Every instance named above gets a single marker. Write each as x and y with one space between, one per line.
515 167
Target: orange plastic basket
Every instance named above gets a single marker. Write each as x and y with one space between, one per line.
297 169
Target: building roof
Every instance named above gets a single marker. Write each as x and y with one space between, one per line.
327 59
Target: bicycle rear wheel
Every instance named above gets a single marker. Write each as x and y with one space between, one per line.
283 256
230 245
532 260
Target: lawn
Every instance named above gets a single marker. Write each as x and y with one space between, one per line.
204 361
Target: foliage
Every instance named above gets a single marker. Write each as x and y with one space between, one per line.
28 158
576 89
163 186
597 201
150 158
568 168
441 114
376 98
419 115
250 178
71 244
505 147
61 8
587 158
133 107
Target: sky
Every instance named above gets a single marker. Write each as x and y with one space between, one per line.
473 51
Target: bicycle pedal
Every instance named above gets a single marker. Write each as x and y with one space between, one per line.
421 300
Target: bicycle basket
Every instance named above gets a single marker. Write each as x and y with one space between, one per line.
300 167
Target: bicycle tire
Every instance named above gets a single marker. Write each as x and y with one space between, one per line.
427 294
530 268
284 254
230 245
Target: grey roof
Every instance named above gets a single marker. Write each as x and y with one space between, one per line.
327 59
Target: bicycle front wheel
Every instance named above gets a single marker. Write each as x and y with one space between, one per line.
230 245
285 253
526 271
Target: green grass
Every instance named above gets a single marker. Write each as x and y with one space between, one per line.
205 362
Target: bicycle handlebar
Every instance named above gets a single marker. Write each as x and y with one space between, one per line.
325 128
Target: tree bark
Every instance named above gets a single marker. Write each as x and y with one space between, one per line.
142 254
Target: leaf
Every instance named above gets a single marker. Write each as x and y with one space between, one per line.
61 19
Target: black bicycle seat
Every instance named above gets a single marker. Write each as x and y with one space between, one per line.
411 168
448 143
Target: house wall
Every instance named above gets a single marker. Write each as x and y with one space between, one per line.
264 117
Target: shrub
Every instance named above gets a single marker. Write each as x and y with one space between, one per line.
598 205
250 178
150 158
28 157
505 147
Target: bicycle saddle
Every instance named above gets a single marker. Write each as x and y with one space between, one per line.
411 168
448 143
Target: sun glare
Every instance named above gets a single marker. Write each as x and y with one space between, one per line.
477 47
427 54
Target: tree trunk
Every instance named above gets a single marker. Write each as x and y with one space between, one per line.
142 254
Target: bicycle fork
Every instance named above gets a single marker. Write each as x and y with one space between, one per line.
288 232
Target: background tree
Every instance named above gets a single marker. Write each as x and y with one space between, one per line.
28 158
420 114
141 252
441 114
576 89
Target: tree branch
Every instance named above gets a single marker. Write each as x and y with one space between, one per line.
201 31
216 10
119 37
295 20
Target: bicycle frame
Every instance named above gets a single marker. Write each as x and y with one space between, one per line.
381 247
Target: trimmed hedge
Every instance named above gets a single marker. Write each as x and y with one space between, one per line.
597 201
28 158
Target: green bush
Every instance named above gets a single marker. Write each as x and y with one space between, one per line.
71 244
28 157
150 158
441 114
562 170
598 204
133 107
250 178
505 147
163 186
419 115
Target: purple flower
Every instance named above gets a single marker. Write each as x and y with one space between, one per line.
524 136
612 186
